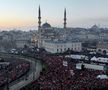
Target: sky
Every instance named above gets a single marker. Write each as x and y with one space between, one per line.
23 14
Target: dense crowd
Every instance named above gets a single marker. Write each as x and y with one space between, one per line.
13 71
59 77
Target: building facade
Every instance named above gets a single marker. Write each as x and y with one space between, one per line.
62 46
102 47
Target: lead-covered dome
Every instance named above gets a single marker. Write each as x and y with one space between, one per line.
46 25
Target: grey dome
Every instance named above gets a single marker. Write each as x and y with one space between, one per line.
46 25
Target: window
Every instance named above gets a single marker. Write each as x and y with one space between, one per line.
61 50
68 48
64 49
57 50
74 48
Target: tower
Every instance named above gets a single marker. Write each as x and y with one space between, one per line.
65 30
39 18
65 18
39 27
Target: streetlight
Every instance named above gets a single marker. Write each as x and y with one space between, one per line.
7 79
6 71
34 70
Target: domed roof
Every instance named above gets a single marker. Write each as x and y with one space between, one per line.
94 26
46 25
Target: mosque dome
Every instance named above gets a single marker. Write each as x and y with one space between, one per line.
46 25
94 27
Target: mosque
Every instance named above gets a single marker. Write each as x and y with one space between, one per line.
52 41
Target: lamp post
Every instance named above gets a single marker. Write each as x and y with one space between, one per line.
92 88
7 80
34 70
7 76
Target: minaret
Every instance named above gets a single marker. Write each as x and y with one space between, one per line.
65 18
39 28
39 18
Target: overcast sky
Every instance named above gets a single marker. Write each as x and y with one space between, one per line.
22 14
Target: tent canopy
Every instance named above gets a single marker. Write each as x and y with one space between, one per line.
102 76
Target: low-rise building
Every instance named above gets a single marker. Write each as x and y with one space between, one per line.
62 46
102 47
22 43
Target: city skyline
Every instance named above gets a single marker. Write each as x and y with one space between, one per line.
23 14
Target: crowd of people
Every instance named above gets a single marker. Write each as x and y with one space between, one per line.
60 77
15 69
